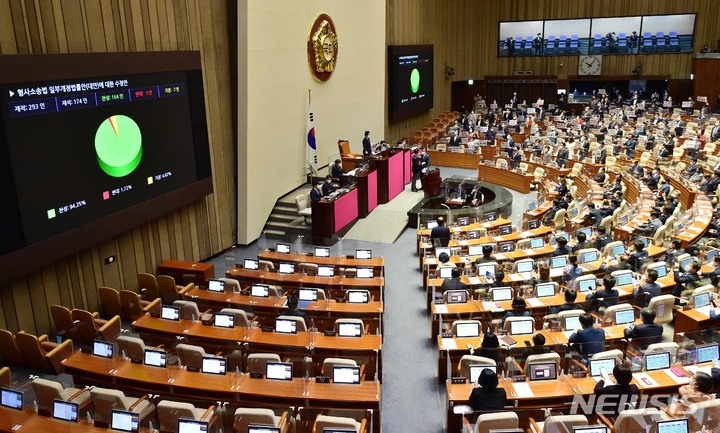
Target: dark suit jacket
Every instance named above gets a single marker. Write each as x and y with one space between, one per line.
483 399
337 172
560 251
328 188
609 297
315 195
367 146
591 340
594 217
651 290
442 233
648 333
602 240
453 284
616 397
455 140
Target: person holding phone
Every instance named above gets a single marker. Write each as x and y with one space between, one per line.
614 397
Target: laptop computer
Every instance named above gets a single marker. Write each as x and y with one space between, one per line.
224 320
596 366
676 425
456 296
522 327
278 370
572 323
346 374
259 291
445 272
543 371
285 326
187 425
155 358
262 429
286 268
322 252
537 243
213 365
544 290
476 369
326 271
624 316
501 294
252 264
65 410
170 312
558 262
282 248
358 297
363 254
708 352
466 330
11 399
349 329
657 361
588 285
124 421
216 286
102 349
364 273
534 224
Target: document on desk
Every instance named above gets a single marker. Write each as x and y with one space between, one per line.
441 309
448 344
535 302
498 238
525 234
493 307
474 281
430 261
643 380
522 389
462 243
679 380
694 369
705 310
500 256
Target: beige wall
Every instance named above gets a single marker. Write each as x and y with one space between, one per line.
274 76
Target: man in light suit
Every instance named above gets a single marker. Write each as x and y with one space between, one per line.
367 145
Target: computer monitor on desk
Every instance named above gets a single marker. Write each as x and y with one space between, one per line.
346 374
286 268
224 320
476 369
440 250
572 323
475 250
326 271
473 234
322 252
545 290
701 299
278 370
214 365
505 230
486 270
259 291
506 247
251 264
65 410
522 327
432 224
675 425
490 216
216 286
534 224
543 371
707 353
364 272
467 330
169 312
262 429
358 296
363 254
623 317
589 256
285 326
124 421
586 285
11 398
282 248
501 294
187 425
657 361
558 262
591 429
445 272
102 349
155 358
596 366
588 231
305 294
463 221
661 269
537 243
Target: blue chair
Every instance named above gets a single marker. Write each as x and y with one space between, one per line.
660 41
596 44
562 44
674 41
550 44
622 43
528 45
647 43
574 44
518 45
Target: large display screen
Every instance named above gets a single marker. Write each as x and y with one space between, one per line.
612 35
97 143
410 80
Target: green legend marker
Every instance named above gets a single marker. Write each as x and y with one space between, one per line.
118 144
415 80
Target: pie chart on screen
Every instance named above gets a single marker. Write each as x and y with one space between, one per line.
118 145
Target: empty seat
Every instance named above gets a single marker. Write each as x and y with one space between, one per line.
330 363
302 208
64 324
558 424
324 421
190 356
41 354
133 347
493 421
245 416
132 305
9 351
5 376
170 411
48 390
256 362
241 318
169 290
105 400
110 302
188 310
147 286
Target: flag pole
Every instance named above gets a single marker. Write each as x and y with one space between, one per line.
309 165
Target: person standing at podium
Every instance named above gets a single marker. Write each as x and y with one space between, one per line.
416 170
367 145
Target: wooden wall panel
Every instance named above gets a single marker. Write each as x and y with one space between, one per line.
193 232
464 34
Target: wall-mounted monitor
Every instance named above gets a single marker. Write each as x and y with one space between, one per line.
410 80
92 145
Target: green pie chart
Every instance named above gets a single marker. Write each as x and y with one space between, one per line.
415 80
118 144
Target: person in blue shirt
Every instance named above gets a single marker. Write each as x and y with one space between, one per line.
573 270
588 340
519 309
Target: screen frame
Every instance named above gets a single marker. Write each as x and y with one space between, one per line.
15 392
124 412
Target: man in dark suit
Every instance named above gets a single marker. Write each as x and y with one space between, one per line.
589 340
649 290
453 283
292 304
561 249
594 217
639 257
327 186
367 145
416 170
337 171
441 233
648 332
455 140
602 239
685 276
570 297
476 196
614 398
606 296
562 156
582 242
316 193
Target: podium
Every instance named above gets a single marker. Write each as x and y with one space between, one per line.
432 183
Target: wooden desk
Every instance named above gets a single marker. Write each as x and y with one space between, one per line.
375 284
177 268
333 216
692 320
27 420
511 179
366 349
339 262
454 159
173 382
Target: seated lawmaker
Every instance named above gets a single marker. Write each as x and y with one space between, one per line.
486 395
647 332
613 398
570 297
519 309
605 296
561 249
594 217
589 340
453 283
337 170
328 187
649 290
316 192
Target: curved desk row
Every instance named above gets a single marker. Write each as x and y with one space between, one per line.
507 178
340 262
376 285
178 382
